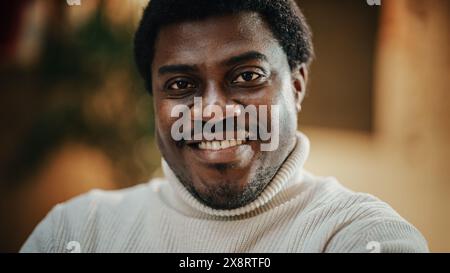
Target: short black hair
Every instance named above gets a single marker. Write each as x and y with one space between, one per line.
284 18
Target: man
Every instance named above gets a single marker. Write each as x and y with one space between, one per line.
226 194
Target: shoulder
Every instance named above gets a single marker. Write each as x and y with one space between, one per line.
104 205
98 199
361 222
81 217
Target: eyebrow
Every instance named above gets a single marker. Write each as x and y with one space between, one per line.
245 57
177 68
186 68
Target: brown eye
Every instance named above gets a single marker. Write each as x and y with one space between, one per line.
181 85
247 77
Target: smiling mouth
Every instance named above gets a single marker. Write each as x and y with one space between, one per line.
219 145
237 149
216 145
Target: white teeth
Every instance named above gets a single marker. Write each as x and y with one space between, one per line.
218 145
224 144
215 145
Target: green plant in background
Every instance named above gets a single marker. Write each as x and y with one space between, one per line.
86 89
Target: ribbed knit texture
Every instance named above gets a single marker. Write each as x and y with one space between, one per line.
296 212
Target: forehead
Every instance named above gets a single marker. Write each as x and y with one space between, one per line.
214 39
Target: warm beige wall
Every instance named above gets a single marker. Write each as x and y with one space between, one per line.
405 161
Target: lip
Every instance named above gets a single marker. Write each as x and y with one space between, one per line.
242 154
219 136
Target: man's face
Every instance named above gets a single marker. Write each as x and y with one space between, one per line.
227 60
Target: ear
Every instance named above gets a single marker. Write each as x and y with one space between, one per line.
299 78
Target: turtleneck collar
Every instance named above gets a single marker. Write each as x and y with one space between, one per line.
288 173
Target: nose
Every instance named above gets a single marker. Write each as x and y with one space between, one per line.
214 99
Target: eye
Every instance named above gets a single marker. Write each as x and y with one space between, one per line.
181 85
247 76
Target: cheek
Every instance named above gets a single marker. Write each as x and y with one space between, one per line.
164 120
285 99
287 95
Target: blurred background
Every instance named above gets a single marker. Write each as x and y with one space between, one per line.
75 115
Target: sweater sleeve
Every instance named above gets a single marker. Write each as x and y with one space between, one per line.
41 239
382 235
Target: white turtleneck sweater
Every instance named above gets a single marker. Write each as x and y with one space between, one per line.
296 212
